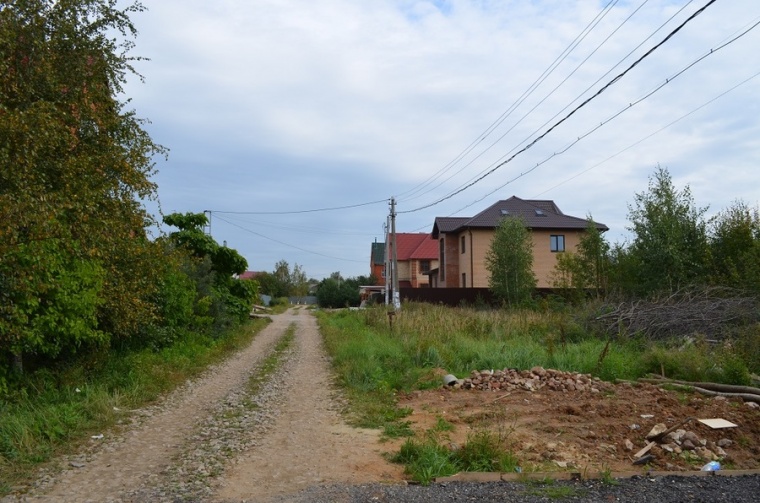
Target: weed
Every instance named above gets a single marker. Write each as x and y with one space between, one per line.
397 429
606 477
442 425
424 461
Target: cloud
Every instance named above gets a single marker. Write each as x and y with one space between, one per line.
285 105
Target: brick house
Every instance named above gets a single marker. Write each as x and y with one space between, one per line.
463 242
417 254
377 262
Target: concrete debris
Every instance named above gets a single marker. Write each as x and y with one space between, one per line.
533 380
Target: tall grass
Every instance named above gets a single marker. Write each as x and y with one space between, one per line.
425 340
55 409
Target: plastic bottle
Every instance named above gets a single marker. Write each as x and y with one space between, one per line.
711 466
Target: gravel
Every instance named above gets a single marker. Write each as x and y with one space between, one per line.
712 489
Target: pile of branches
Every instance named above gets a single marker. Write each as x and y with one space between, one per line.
707 312
746 393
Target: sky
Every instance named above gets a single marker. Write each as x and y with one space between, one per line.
273 109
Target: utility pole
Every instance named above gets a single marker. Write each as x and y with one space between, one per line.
387 261
207 228
396 293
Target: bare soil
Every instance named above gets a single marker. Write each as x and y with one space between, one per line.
586 431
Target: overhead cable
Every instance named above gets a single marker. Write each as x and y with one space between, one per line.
623 110
638 142
288 244
527 93
297 212
570 114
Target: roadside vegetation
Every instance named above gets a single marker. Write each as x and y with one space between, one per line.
680 300
100 309
59 408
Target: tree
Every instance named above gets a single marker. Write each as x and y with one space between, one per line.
586 269
299 284
735 247
670 247
336 292
230 299
75 165
510 262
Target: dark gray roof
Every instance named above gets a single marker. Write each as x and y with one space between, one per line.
447 224
378 253
537 214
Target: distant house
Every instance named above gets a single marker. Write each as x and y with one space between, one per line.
377 262
463 242
249 275
417 254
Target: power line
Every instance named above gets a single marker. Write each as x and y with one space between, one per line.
298 212
571 113
527 93
288 244
703 105
623 110
547 96
301 228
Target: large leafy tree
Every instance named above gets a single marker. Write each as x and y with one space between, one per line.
586 269
229 299
510 262
670 247
336 292
75 164
735 247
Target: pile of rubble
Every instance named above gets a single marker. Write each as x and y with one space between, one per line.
680 442
529 380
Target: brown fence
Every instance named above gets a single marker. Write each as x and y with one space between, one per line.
448 296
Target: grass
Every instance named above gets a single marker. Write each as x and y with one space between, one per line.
272 362
374 362
55 411
430 458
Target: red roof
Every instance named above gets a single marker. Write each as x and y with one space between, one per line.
416 246
248 275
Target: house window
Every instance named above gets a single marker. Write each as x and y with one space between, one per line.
557 243
464 245
424 266
442 254
464 280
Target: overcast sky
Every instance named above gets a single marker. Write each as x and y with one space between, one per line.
292 106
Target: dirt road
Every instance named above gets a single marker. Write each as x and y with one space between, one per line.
215 440
212 441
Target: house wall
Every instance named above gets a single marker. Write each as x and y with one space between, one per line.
377 271
450 265
418 278
544 260
404 270
473 261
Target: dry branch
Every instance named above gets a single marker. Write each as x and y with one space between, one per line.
707 312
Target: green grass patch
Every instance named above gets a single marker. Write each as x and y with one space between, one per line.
272 362
426 459
57 409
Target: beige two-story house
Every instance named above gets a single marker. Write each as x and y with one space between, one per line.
463 242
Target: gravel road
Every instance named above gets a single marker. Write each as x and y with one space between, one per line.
214 441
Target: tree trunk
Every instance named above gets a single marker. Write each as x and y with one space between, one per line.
18 363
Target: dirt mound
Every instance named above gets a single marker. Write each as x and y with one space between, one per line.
557 420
